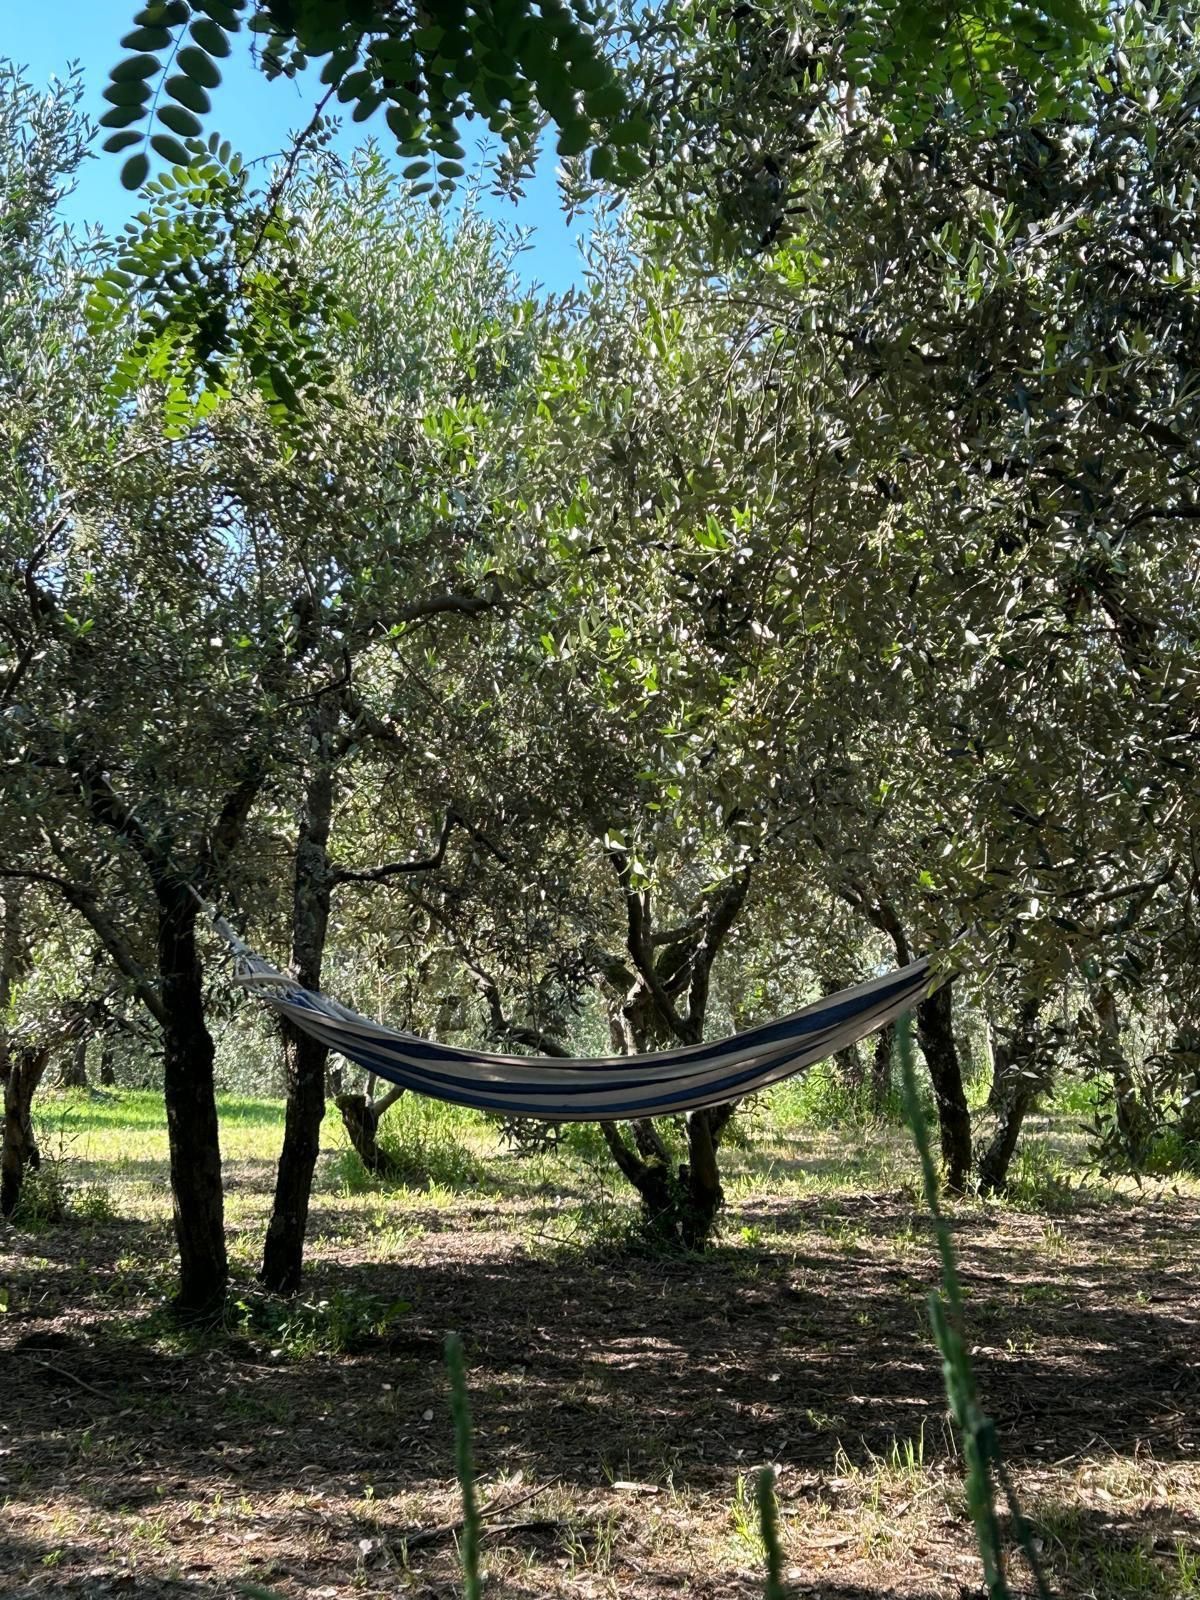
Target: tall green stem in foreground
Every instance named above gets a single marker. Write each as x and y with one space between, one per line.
980 1444
461 1411
768 1522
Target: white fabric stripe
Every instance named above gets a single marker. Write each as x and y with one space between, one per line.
623 1093
266 981
547 1075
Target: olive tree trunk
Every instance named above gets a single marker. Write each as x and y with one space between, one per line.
935 1030
74 1070
22 1071
679 1200
20 1068
361 1118
283 1253
189 1090
1018 1077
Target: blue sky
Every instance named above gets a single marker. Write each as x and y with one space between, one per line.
255 115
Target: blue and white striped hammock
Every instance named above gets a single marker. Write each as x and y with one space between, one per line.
599 1089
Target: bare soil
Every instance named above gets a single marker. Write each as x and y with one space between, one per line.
622 1404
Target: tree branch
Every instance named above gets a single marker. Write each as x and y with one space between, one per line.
392 869
231 820
502 1024
720 918
433 605
634 1169
108 809
84 902
637 939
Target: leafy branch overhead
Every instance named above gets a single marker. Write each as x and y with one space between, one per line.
211 266
427 66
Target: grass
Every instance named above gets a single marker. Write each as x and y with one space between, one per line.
799 1340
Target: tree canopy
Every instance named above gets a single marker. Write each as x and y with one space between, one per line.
608 665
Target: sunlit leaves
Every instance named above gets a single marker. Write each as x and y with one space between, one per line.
207 278
510 66
745 97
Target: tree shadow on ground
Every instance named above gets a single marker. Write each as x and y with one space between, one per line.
634 1367
670 1374
1110 1554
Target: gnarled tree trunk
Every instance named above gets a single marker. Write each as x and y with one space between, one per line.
1017 1080
361 1117
935 1030
22 1071
680 1200
283 1253
189 1090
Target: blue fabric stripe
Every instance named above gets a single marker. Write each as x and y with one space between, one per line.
624 1097
785 1031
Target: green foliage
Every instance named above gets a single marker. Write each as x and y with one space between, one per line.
45 1195
206 291
973 59
421 1139
348 1320
54 1192
511 65
823 1098
746 98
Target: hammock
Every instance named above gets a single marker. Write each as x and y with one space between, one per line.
600 1089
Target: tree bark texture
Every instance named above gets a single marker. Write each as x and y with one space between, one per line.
189 1090
935 1030
681 1200
22 1070
361 1117
1016 1082
997 1158
74 1071
283 1254
667 967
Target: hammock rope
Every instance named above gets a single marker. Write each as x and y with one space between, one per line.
593 1089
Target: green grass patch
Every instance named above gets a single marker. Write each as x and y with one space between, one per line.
426 1143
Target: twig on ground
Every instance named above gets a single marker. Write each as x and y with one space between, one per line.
419 1537
63 1373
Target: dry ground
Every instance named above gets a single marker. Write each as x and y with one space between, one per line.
622 1403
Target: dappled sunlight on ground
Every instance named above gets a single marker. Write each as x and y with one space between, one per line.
623 1401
